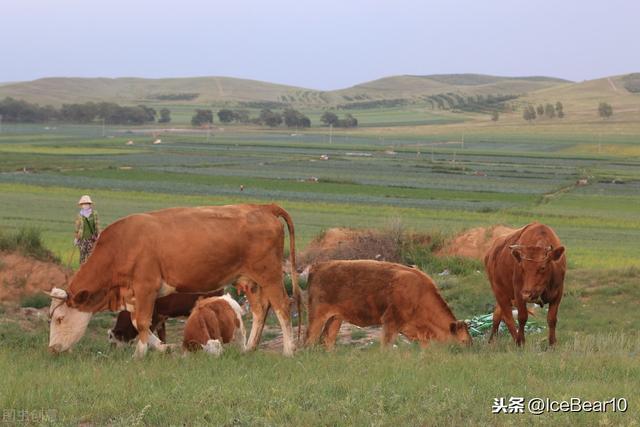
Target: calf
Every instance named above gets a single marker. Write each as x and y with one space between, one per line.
214 321
371 293
170 306
527 265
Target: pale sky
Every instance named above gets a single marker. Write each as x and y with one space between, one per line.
327 44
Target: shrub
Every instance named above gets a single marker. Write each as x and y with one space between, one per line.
27 241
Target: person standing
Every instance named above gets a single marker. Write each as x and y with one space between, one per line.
87 227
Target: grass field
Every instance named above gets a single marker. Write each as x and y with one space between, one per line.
420 176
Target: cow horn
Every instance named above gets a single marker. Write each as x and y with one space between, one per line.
57 293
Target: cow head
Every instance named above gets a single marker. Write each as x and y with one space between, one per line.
67 324
536 263
460 332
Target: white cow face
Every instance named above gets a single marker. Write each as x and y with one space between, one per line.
68 324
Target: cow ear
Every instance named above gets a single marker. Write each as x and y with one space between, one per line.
81 297
88 299
515 252
453 327
557 253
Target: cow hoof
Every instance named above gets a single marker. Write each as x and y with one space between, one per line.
213 347
162 348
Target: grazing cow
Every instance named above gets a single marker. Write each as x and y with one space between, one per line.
142 257
527 265
370 293
170 306
214 321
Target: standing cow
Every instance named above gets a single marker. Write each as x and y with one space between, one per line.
146 256
371 293
527 265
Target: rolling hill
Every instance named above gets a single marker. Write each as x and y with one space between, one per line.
207 90
441 92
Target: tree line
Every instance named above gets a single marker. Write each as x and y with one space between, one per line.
18 111
267 117
549 110
289 117
530 113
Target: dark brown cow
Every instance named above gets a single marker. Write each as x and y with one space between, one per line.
143 257
214 321
370 293
170 306
527 265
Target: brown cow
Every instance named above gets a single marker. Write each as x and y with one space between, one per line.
214 321
367 293
142 257
170 306
527 265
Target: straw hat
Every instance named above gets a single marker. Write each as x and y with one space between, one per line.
85 199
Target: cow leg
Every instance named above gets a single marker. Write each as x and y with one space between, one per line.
505 307
240 337
331 329
523 315
281 308
497 318
552 320
259 314
389 334
162 331
316 323
142 322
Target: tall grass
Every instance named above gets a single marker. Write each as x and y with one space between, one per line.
27 241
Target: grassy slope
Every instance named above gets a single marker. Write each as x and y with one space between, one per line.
56 91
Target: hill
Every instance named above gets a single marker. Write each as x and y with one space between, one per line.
408 86
207 90
581 99
128 90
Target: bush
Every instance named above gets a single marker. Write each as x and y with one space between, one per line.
36 301
27 241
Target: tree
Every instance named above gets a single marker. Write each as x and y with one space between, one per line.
529 113
202 117
549 111
495 115
559 109
149 112
165 116
329 118
241 116
295 119
605 110
270 118
540 110
226 115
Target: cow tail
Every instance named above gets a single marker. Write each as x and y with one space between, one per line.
297 294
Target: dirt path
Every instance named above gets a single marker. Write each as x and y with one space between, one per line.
613 86
219 85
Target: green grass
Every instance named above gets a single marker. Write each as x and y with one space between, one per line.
27 241
508 173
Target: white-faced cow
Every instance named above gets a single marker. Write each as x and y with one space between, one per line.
527 265
146 256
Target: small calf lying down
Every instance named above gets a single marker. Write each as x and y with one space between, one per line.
370 293
214 321
169 306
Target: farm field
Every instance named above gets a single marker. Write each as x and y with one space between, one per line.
419 177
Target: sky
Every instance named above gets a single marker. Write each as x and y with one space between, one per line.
324 45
